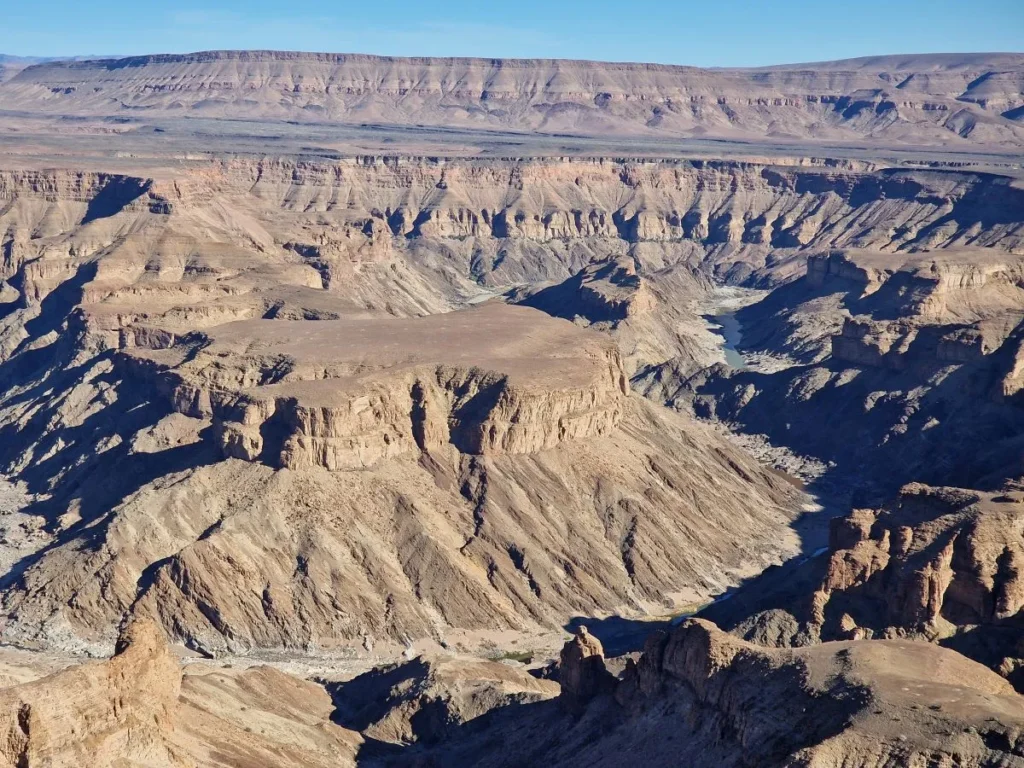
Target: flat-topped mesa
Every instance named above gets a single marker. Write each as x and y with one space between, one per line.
608 291
897 99
928 307
345 394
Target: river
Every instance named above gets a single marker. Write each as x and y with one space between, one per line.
720 309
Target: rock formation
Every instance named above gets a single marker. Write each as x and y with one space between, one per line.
910 356
938 564
345 394
100 713
318 448
581 670
852 704
725 702
429 698
137 708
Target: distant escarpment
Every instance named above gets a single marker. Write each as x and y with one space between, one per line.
932 100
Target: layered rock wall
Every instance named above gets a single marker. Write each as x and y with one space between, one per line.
896 98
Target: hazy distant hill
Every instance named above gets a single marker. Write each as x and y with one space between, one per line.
930 99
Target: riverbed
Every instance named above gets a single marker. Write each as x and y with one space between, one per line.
719 309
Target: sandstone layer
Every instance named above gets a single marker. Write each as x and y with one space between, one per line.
348 394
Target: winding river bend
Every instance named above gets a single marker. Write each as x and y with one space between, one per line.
720 309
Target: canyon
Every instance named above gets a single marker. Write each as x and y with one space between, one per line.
368 411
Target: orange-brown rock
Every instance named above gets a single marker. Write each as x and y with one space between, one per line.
101 713
137 708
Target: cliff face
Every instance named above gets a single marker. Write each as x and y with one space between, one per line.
490 380
721 701
937 564
657 201
100 713
501 222
832 704
913 100
952 306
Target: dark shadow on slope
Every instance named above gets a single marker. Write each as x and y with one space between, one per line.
365 699
518 734
764 711
72 447
99 493
468 419
368 698
954 434
58 305
116 194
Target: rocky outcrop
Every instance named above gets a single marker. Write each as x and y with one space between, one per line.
910 356
601 293
141 708
946 555
103 713
724 702
939 564
832 704
946 307
582 674
427 700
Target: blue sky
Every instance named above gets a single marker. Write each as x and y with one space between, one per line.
704 33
